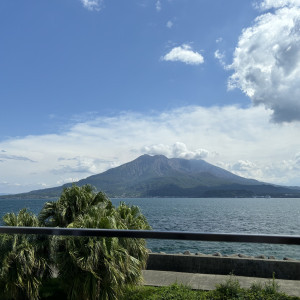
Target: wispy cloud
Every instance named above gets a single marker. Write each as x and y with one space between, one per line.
185 54
266 61
83 165
158 5
220 57
169 24
16 187
5 157
92 4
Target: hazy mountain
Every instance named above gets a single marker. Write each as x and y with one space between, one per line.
158 176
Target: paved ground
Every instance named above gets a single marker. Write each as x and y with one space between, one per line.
208 281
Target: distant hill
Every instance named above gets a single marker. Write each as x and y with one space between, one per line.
158 176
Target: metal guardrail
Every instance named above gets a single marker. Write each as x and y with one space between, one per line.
153 234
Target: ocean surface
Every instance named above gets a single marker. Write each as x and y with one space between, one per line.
219 215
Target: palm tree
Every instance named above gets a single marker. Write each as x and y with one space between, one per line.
73 202
24 259
131 218
95 268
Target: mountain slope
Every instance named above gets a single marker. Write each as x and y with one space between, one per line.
146 173
158 176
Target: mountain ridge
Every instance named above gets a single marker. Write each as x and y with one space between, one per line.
159 176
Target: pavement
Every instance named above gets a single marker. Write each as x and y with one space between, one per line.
209 281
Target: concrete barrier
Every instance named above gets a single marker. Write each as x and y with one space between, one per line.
207 264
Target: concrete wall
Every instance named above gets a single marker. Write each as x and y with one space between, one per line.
225 265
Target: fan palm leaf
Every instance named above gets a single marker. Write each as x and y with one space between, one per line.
101 267
24 258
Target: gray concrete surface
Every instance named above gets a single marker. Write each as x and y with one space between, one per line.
209 281
240 266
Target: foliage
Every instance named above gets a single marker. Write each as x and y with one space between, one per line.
101 267
228 290
88 267
231 290
52 289
73 202
24 259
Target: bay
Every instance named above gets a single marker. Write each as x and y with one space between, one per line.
220 215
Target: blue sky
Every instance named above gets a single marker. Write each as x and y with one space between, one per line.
86 85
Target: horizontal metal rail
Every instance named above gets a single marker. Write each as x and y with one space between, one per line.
153 234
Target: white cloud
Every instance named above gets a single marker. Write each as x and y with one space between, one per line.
158 5
234 133
84 165
67 180
297 159
246 168
220 57
219 40
243 165
266 61
92 4
177 150
269 4
15 187
185 54
169 24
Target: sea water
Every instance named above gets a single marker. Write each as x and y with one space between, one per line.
218 215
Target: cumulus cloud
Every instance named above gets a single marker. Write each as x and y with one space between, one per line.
243 165
185 54
266 61
234 133
269 4
92 4
177 150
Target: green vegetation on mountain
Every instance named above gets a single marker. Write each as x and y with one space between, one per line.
158 176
